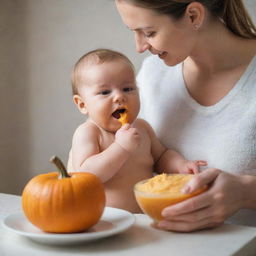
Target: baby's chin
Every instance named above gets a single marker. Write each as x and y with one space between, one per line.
113 128
108 127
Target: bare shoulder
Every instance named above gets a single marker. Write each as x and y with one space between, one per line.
143 124
86 130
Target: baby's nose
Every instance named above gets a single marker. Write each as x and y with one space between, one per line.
119 97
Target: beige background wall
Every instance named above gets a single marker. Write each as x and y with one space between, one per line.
40 41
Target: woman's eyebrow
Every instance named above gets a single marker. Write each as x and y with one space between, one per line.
140 28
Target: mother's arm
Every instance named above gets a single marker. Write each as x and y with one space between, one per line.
227 194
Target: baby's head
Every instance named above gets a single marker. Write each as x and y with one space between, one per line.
104 84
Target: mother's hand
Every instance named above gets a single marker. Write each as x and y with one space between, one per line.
225 196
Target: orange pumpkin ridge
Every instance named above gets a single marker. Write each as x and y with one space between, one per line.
67 204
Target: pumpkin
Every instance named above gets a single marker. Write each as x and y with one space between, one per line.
123 119
64 203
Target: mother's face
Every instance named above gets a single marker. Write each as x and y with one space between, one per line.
170 39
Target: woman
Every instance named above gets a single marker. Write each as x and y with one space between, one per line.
198 92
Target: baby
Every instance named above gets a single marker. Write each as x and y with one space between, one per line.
104 89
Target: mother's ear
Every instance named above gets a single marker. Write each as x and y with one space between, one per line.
196 14
80 104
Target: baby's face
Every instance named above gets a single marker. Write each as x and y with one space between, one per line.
110 87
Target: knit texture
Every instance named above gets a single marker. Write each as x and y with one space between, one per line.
223 134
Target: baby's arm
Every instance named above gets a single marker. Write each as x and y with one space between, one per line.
86 155
168 160
172 162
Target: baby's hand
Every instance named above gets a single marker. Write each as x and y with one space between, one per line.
191 166
128 137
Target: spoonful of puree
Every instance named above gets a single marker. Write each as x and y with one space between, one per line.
123 119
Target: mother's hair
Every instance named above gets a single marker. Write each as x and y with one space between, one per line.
231 12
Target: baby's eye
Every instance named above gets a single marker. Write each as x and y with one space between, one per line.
105 92
128 89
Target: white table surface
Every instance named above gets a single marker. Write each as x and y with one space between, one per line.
140 239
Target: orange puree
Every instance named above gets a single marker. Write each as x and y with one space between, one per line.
124 118
154 194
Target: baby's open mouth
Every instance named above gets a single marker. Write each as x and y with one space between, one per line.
117 113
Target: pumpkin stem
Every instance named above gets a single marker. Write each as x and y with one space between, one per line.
62 169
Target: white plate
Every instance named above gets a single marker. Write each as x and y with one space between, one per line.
113 221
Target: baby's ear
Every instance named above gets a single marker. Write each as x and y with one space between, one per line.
80 104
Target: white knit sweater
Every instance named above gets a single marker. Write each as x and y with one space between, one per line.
223 134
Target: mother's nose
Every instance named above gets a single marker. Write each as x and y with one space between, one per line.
141 44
